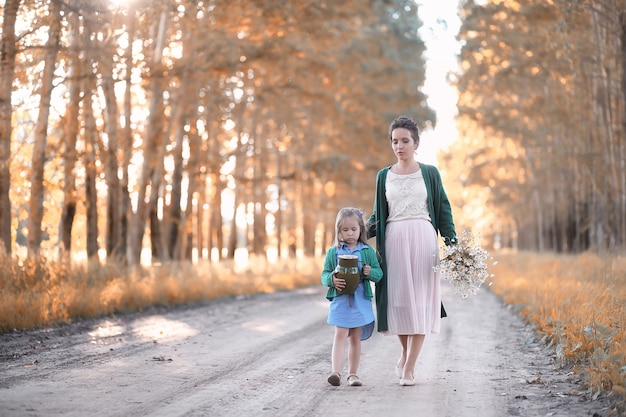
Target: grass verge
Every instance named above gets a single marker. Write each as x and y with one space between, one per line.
36 293
577 304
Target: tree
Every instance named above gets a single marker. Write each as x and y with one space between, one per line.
153 141
8 54
284 106
72 117
537 96
41 133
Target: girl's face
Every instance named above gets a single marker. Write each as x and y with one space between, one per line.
349 231
403 145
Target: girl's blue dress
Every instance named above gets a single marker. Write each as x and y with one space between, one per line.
354 310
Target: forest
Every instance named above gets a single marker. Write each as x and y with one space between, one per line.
161 125
542 116
146 144
148 131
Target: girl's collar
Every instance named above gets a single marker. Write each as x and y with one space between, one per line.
358 246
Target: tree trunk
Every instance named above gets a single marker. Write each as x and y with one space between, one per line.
126 146
279 212
200 218
622 141
605 43
308 225
157 190
91 195
193 184
41 133
152 142
114 236
72 117
177 185
259 244
156 249
8 53
239 190
216 234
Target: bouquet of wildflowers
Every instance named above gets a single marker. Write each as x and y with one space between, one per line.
464 264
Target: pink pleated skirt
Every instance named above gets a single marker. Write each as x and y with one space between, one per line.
413 287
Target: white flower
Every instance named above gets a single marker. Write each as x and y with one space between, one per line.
464 264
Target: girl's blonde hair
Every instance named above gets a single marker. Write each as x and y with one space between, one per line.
343 214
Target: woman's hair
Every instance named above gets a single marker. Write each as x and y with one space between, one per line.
343 214
405 123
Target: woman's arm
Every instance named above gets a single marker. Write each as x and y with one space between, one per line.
443 209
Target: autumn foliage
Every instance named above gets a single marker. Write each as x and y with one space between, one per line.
542 116
183 130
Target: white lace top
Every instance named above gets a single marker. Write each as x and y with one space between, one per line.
406 196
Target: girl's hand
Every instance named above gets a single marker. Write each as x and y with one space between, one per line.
366 270
339 283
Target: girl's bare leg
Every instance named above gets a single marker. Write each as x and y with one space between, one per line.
414 345
339 347
354 351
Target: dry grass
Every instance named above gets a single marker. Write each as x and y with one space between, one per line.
39 293
578 305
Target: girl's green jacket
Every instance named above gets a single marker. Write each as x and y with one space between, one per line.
440 216
368 256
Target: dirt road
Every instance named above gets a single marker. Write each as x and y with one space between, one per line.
269 355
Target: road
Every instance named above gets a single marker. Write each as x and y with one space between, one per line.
269 355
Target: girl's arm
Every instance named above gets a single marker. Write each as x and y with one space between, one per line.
329 267
370 258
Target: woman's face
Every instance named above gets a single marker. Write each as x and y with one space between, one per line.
403 145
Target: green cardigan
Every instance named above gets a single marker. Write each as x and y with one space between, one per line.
440 216
368 256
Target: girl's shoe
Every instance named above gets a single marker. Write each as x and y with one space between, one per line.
354 381
334 379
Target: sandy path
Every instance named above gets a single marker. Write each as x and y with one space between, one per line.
269 355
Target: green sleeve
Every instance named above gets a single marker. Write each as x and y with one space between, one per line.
371 259
445 222
330 263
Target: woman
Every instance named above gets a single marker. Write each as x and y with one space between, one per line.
410 209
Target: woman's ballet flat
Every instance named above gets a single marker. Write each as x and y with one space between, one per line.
334 379
407 382
354 381
399 370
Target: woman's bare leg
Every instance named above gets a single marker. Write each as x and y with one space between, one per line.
403 341
414 345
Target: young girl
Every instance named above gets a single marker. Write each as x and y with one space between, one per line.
352 314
